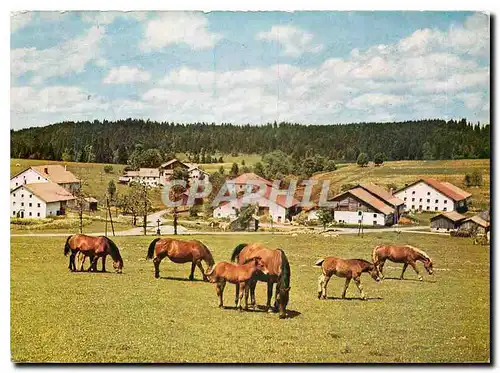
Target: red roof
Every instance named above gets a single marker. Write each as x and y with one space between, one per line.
382 194
367 198
449 190
250 178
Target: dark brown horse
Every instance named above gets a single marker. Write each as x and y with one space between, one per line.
180 251
240 275
401 254
95 248
350 269
278 268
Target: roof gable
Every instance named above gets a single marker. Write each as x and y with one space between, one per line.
447 189
450 215
382 194
48 192
367 198
56 173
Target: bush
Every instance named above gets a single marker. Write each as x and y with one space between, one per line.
108 169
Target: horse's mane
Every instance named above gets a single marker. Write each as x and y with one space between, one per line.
421 252
285 270
115 253
210 259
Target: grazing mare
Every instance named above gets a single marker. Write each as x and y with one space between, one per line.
278 268
401 254
350 269
180 251
238 274
95 248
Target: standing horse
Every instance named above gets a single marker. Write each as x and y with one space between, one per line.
180 251
278 268
351 269
95 248
401 254
240 275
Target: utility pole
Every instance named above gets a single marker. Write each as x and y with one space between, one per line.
110 216
145 209
106 222
175 220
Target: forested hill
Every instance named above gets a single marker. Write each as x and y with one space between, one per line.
114 141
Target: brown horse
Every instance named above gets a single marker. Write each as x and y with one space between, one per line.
240 275
95 248
401 254
350 269
180 251
278 268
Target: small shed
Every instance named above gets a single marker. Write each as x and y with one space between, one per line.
90 204
447 221
476 224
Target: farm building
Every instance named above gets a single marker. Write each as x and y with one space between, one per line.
39 200
148 176
90 204
44 174
475 223
358 206
280 208
387 197
433 195
447 221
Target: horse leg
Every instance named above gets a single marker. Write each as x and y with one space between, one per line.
191 276
156 262
416 270
269 295
200 266
277 291
346 285
91 259
236 295
253 285
325 284
103 263
321 281
404 269
93 264
72 266
357 281
220 292
380 268
241 287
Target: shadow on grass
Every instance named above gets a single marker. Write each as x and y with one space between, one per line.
290 314
355 298
409 279
182 279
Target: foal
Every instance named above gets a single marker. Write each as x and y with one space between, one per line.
348 268
239 274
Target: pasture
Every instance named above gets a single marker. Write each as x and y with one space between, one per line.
58 316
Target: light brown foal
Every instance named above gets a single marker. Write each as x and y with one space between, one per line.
351 269
238 274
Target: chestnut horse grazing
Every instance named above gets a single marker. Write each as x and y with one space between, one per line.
278 268
180 251
401 254
351 269
238 274
94 248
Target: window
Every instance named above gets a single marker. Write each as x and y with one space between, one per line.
14 194
14 213
427 208
428 201
435 208
428 193
37 214
38 177
413 199
420 200
30 204
374 215
14 203
445 201
37 205
413 207
22 195
420 207
437 201
444 209
16 184
22 203
405 198
30 213
413 192
31 195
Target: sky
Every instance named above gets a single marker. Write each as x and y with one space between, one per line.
249 67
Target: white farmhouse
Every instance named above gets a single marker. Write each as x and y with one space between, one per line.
148 176
47 173
39 200
433 195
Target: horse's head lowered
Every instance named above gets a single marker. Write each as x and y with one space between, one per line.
374 273
118 265
428 266
259 264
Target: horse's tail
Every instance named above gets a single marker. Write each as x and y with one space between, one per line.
319 262
237 250
285 270
375 254
151 248
67 248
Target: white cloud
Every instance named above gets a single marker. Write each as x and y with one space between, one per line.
294 40
70 56
19 20
188 28
375 99
108 17
126 74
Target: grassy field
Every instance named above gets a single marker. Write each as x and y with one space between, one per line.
60 316
405 172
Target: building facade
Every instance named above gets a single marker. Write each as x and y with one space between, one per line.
39 200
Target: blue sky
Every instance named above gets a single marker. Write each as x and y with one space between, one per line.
249 67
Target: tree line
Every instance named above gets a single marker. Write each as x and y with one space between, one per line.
116 141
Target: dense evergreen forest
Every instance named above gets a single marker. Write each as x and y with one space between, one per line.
114 142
